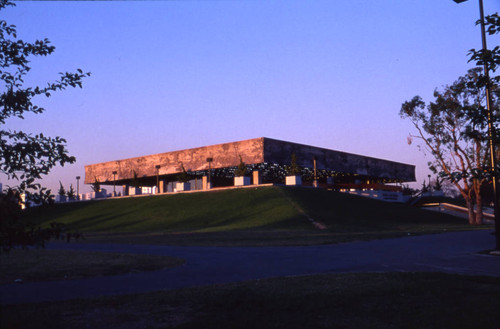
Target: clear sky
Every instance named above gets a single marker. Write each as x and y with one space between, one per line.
171 75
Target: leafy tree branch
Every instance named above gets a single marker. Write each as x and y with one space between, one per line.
26 157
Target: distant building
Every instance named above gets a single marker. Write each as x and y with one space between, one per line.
266 160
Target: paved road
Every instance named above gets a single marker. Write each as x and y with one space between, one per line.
449 252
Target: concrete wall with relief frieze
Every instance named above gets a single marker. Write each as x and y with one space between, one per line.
276 151
224 155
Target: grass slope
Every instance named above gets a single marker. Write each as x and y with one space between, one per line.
342 212
265 209
237 209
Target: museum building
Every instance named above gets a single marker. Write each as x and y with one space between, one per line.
266 161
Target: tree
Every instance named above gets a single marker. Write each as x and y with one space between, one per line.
135 180
241 170
407 190
453 129
26 157
490 60
62 191
183 177
294 169
96 185
71 193
489 57
425 187
438 185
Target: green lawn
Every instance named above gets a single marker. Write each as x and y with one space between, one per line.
369 300
250 216
237 209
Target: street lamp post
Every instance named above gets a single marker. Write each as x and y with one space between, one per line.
315 181
78 187
158 178
114 183
209 160
491 127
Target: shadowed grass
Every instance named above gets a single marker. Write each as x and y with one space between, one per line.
371 300
34 265
342 212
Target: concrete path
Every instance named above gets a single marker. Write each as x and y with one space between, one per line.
449 252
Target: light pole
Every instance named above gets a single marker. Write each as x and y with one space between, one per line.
78 187
209 160
315 181
491 127
158 178
114 183
430 189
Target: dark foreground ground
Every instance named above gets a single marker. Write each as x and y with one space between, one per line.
428 281
456 252
355 300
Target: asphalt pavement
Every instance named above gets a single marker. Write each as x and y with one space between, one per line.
455 252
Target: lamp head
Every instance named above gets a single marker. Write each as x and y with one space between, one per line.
459 1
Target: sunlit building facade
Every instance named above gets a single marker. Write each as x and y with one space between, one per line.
266 161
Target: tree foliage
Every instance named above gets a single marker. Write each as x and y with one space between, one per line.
16 231
96 185
491 57
438 185
71 194
62 191
453 129
134 183
26 157
294 169
183 177
241 170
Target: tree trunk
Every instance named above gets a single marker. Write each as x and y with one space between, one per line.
479 209
470 210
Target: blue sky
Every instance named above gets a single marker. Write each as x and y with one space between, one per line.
170 75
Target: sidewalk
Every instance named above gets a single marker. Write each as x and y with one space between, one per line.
449 252
457 211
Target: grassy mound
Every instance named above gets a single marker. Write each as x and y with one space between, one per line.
237 209
265 208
